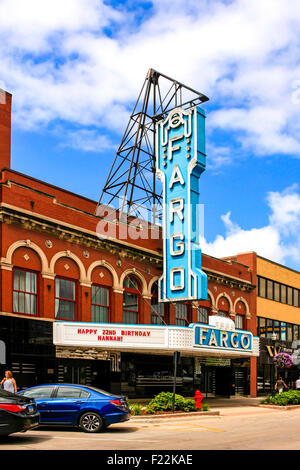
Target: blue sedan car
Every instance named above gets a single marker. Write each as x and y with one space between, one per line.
88 407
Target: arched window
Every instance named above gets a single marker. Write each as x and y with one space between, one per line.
239 322
223 307
159 310
223 314
25 292
183 314
131 300
202 314
100 308
101 294
65 299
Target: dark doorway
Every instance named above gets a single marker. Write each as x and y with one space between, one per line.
84 372
100 376
223 381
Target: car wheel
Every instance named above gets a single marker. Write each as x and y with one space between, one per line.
91 422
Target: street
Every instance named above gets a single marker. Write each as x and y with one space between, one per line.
242 428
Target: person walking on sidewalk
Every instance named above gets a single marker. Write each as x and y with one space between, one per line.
9 383
280 385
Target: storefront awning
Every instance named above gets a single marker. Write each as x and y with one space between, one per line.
196 339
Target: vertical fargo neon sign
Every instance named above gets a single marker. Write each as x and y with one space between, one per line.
180 160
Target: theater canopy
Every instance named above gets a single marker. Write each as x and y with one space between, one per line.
196 339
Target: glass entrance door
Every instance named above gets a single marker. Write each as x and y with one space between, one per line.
74 372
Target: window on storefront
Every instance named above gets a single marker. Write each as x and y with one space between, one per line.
182 314
24 292
158 309
269 289
65 299
239 322
290 296
295 297
289 332
202 315
269 328
283 294
261 287
100 304
295 332
277 291
283 331
276 328
261 327
131 298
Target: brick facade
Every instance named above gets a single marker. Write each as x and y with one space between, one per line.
52 232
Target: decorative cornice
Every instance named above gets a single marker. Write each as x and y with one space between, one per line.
50 227
58 230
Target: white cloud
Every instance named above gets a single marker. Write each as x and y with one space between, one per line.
279 240
87 140
60 63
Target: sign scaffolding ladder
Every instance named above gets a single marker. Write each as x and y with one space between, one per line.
131 186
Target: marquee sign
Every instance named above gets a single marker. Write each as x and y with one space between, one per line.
180 160
207 336
196 339
110 335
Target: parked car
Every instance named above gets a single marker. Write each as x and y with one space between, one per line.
88 408
17 413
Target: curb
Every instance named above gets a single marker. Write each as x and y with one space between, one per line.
278 407
202 414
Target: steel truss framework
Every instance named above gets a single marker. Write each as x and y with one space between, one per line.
131 186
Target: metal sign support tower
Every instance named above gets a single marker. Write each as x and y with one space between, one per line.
131 185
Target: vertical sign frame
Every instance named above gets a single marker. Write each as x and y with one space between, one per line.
180 161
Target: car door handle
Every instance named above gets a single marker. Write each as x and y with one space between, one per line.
78 402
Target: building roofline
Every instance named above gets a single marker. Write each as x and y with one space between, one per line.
48 184
278 264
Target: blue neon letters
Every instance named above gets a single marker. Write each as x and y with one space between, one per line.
180 160
206 336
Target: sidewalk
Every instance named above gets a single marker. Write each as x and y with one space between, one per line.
236 401
214 404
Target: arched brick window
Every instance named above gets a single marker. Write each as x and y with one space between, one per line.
240 312
183 313
223 307
102 282
65 299
26 278
131 300
66 289
25 291
159 310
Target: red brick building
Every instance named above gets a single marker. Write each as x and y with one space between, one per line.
54 266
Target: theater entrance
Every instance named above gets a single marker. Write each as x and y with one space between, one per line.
84 372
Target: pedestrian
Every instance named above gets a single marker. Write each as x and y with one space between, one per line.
298 384
9 383
280 385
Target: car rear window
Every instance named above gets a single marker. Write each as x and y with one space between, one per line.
95 389
38 392
72 392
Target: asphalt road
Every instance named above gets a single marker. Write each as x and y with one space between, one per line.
245 428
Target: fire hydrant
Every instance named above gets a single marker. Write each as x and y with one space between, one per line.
198 397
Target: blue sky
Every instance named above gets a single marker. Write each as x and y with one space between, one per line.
75 69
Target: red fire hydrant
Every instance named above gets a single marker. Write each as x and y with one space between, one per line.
198 397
